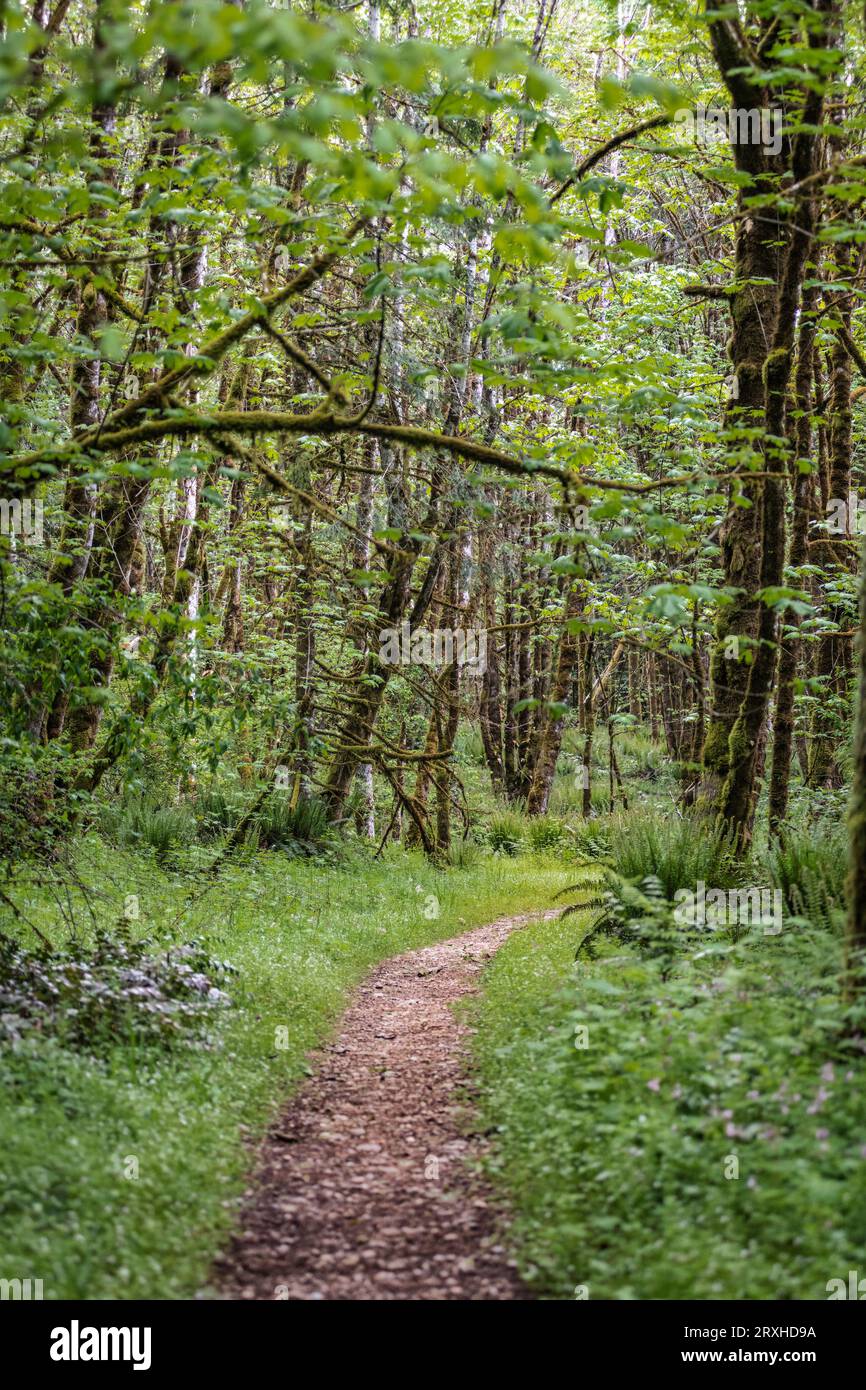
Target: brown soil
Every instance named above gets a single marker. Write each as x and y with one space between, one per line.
366 1188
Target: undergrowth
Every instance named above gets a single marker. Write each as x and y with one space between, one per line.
680 1110
124 1159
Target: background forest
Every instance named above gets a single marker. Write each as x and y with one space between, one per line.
432 446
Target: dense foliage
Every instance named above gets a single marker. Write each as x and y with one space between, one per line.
431 444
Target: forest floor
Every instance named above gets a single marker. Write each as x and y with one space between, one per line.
368 1186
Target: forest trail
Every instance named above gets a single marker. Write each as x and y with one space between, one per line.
363 1190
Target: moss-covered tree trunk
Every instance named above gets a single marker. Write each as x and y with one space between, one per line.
772 246
834 658
855 937
553 720
803 489
753 310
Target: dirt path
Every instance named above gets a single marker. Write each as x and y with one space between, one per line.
363 1189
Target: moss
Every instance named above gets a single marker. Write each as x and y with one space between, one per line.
776 368
716 747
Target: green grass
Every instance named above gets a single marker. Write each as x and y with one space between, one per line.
618 1157
122 1176
810 865
651 841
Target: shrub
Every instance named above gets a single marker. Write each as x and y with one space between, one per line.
505 833
591 839
637 753
299 829
547 833
618 1095
810 868
120 991
32 817
678 851
216 812
463 854
645 858
163 828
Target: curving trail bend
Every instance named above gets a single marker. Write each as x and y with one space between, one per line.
365 1188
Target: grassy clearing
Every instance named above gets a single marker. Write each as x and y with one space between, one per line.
122 1174
706 1142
